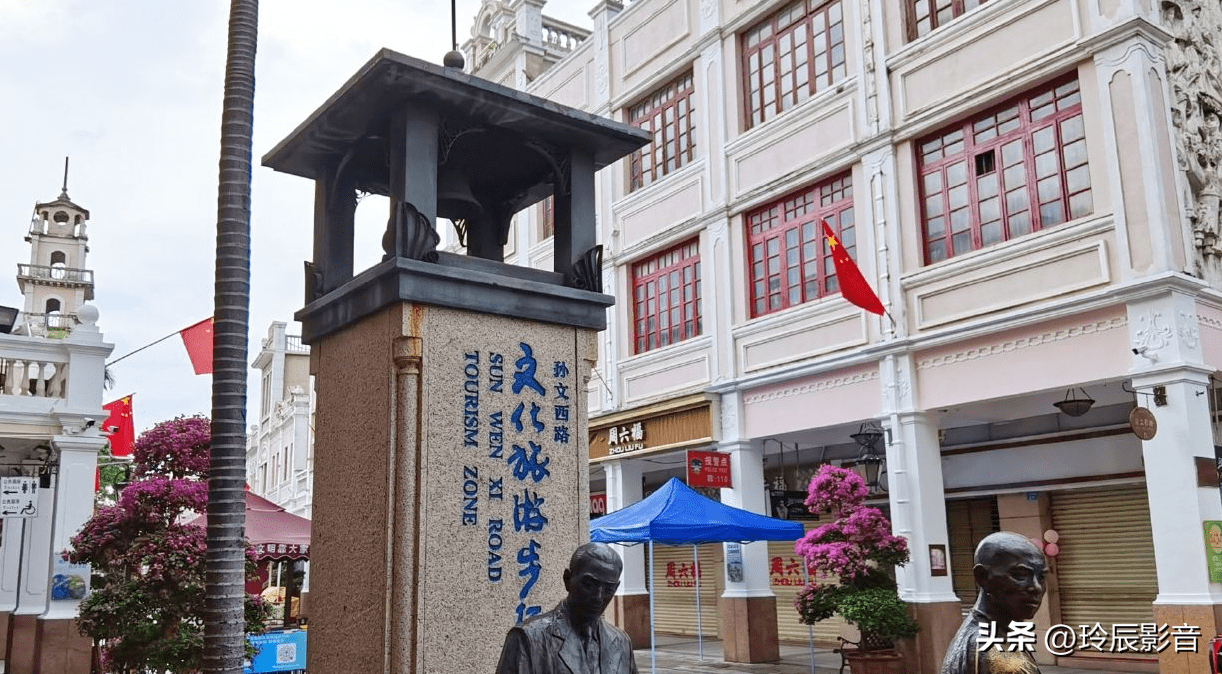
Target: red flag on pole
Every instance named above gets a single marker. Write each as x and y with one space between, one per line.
119 427
198 340
853 286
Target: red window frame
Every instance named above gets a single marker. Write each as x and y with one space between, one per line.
666 297
791 55
547 218
667 113
1015 169
926 16
788 262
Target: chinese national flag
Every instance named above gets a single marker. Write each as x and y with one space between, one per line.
852 285
119 428
198 340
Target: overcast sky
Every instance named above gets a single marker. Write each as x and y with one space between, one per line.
131 90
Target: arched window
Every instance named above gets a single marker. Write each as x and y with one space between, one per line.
55 318
58 264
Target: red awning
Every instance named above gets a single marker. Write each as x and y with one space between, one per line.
275 533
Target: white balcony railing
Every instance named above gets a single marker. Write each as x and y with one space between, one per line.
55 274
43 376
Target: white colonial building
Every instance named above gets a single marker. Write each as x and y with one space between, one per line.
280 448
1032 188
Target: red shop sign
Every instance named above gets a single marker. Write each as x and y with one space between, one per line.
708 469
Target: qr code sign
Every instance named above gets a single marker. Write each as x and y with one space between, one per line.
286 653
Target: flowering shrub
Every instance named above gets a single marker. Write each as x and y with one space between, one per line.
853 547
147 605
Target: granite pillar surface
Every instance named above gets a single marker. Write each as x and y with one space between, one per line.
452 464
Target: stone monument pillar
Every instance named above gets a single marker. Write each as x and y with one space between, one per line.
451 447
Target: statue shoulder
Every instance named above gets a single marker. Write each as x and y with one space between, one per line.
614 632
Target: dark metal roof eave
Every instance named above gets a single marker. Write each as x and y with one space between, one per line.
389 78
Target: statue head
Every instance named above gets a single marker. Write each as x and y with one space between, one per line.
1009 570
591 580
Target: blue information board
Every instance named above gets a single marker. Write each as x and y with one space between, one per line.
278 652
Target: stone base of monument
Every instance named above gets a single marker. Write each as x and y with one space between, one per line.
451 485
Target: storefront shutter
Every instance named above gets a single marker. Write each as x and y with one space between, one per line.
1105 569
675 599
785 574
967 522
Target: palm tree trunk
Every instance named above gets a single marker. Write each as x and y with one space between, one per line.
224 626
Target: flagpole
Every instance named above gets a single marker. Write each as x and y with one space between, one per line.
890 318
148 345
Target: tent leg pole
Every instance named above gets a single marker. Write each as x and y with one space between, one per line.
653 638
699 627
810 630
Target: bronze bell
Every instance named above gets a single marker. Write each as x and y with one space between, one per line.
455 200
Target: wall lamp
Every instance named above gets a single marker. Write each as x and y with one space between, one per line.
867 437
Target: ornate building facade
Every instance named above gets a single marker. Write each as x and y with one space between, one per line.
1031 186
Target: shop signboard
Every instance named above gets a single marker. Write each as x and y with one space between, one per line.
708 469
679 424
598 505
277 652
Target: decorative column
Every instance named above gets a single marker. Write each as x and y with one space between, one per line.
1173 383
1138 146
630 607
62 649
10 569
33 582
918 513
748 606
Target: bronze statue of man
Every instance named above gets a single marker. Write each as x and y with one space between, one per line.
1009 570
573 637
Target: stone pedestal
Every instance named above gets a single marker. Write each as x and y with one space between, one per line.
749 627
630 612
452 463
61 648
938 623
23 642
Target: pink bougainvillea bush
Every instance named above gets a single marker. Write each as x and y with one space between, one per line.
857 547
147 603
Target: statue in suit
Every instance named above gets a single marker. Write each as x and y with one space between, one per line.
1009 570
573 638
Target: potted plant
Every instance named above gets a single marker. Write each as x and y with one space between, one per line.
857 547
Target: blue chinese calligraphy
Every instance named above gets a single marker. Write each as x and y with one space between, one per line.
531 465
524 377
529 568
528 512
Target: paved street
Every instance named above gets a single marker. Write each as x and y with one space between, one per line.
679 655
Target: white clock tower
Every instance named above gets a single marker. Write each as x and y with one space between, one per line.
56 282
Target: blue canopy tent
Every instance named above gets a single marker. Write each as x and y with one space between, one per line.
677 515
